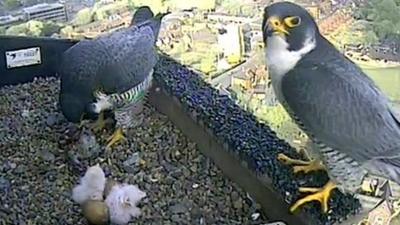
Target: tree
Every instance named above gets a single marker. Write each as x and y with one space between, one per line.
383 29
383 16
34 28
370 38
207 65
66 32
83 17
12 4
206 4
30 2
231 6
30 28
155 5
2 30
17 30
49 28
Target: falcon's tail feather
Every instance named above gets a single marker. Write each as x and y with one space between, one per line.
387 168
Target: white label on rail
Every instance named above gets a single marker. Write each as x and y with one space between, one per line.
23 57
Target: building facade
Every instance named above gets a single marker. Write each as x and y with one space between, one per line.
46 12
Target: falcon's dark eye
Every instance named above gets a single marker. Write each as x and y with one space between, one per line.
292 21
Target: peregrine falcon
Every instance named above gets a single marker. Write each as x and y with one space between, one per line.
349 120
111 73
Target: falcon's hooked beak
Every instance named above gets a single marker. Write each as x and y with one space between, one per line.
275 26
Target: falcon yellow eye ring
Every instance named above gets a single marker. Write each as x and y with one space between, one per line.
292 21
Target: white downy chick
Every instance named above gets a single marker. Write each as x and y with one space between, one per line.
122 202
91 186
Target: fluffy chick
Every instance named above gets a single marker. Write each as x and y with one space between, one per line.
91 185
122 202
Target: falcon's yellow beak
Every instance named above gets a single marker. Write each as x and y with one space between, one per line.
277 26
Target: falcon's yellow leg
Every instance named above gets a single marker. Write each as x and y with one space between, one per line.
82 122
116 137
320 194
301 166
99 124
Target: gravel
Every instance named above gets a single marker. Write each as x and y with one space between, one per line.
42 157
255 144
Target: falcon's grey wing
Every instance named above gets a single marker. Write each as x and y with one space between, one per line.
79 65
112 63
340 106
130 58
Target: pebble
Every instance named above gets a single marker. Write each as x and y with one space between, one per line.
255 144
88 146
131 164
4 185
255 216
47 156
42 158
178 208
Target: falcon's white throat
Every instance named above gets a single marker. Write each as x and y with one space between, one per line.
280 60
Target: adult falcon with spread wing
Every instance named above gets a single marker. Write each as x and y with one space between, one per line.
339 107
111 73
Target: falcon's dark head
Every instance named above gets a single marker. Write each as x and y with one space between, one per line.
142 14
289 21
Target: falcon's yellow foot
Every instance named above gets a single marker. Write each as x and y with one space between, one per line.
116 137
100 123
82 121
320 194
301 166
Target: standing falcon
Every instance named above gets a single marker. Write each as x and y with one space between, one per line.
349 120
111 73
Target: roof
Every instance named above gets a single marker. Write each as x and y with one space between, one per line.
260 89
241 76
42 7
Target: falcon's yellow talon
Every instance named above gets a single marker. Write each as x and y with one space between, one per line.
99 124
320 194
289 161
116 137
301 165
313 165
82 122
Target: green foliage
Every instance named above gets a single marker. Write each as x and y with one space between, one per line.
66 31
155 5
188 4
83 17
11 4
236 7
206 4
232 7
30 28
34 28
17 30
2 30
99 15
50 28
384 19
246 10
102 12
275 116
207 65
